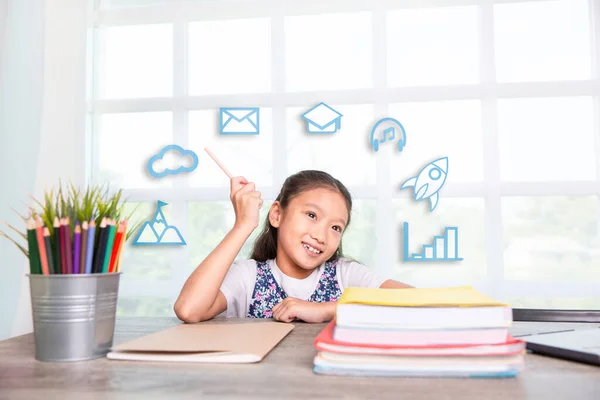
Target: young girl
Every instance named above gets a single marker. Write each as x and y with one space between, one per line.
297 270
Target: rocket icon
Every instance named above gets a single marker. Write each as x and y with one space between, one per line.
429 181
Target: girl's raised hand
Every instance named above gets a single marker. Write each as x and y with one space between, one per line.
246 202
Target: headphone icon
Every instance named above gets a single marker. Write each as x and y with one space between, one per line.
401 140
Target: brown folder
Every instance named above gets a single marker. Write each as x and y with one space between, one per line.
206 343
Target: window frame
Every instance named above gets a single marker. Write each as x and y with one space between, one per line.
488 91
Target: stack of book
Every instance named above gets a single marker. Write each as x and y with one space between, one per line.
439 332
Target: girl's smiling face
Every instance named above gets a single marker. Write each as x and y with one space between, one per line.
309 230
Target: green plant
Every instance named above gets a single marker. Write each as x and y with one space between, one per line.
96 202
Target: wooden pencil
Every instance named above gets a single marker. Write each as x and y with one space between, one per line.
219 163
110 242
56 246
89 255
63 250
77 248
49 250
39 233
34 255
68 246
84 234
100 246
120 253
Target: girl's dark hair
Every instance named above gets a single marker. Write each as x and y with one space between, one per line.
265 246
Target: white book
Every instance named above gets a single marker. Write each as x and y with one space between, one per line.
414 361
363 315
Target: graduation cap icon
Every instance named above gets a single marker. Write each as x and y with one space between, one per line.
322 119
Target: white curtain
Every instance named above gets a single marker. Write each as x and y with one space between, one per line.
42 125
21 90
3 14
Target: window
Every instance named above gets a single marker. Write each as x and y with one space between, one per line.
507 90
328 52
229 57
445 51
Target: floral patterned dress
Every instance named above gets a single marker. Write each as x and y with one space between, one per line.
267 292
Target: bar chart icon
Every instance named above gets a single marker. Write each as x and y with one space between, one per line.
443 248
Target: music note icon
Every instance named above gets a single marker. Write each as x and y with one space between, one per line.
385 132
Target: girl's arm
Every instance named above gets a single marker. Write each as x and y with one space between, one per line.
391 284
290 308
201 297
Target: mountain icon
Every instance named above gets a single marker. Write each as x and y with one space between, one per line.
158 231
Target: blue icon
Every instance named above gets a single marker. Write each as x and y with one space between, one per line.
322 119
179 154
444 248
158 232
429 181
239 120
389 128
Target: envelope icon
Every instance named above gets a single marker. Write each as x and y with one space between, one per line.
239 121
322 119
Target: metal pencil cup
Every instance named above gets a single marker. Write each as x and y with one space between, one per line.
73 315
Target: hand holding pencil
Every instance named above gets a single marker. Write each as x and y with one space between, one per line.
246 202
245 198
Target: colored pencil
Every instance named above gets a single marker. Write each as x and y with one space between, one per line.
100 247
56 246
120 253
68 246
109 246
115 250
39 233
34 255
104 245
89 254
63 250
84 234
77 248
219 163
48 243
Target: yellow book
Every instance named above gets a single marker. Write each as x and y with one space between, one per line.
459 296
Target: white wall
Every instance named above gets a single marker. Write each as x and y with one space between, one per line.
42 125
3 14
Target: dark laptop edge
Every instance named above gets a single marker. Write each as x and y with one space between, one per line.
588 358
549 315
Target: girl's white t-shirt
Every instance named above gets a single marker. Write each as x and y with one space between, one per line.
238 285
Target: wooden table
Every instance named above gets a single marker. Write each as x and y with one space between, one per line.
285 373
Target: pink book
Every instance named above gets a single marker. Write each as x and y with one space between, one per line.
326 342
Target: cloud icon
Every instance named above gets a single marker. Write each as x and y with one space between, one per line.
172 156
